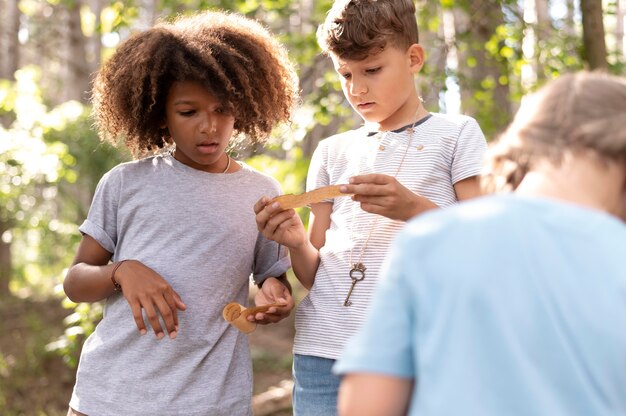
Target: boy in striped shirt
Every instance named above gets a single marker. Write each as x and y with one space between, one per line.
401 162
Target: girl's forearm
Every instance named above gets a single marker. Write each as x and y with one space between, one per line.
88 283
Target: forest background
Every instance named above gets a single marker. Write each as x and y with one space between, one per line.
482 57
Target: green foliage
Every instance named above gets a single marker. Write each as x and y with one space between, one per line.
263 360
44 191
30 170
291 173
78 326
31 377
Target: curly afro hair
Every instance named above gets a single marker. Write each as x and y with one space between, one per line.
237 60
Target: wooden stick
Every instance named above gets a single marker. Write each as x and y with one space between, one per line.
317 195
237 315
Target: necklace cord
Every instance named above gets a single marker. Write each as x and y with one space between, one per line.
172 150
406 151
227 164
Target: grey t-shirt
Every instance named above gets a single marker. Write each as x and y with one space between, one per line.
198 231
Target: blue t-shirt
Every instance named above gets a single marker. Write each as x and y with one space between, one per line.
505 305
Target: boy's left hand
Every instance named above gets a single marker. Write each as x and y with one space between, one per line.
384 195
272 291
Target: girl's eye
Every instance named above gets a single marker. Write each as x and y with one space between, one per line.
373 70
187 113
224 111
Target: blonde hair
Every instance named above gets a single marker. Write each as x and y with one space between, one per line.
581 112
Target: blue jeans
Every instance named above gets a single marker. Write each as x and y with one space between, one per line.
315 386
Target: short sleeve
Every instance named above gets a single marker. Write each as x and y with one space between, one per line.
318 169
385 343
469 152
270 259
101 222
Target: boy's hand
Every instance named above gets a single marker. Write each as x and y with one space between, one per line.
272 291
145 289
384 195
282 226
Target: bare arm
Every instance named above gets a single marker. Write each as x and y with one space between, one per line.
305 259
467 188
285 227
89 277
89 280
367 394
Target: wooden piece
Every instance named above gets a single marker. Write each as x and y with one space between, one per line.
237 315
317 195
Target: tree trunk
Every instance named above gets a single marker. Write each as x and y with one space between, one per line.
431 82
9 49
95 43
543 32
76 61
570 17
147 14
5 261
620 12
483 95
594 42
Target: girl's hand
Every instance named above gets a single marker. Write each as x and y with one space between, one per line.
272 291
282 226
384 195
145 289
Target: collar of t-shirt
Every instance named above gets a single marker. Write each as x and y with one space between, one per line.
401 129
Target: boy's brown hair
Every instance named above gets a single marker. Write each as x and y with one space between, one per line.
353 29
581 112
235 58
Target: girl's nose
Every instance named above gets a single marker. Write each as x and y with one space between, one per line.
209 124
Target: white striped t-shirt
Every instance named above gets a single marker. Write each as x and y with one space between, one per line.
444 150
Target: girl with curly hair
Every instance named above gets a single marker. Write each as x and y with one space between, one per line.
171 237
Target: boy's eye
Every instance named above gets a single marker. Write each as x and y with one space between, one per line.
346 75
373 70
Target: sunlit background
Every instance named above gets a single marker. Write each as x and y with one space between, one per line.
482 58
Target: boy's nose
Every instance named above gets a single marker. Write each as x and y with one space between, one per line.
358 88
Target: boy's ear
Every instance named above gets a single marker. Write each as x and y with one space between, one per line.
415 54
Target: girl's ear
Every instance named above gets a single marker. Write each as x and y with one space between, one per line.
165 132
415 54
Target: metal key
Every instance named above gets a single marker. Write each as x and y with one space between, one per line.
357 273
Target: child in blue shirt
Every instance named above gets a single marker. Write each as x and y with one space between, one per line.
511 304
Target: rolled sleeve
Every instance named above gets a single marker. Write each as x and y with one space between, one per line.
271 260
97 233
